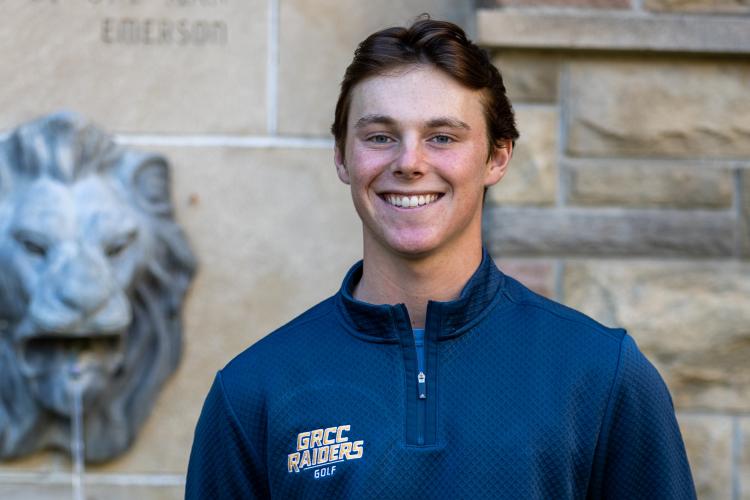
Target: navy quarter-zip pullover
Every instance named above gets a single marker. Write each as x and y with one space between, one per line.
518 397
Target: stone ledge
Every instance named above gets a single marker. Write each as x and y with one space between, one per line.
590 30
528 232
621 183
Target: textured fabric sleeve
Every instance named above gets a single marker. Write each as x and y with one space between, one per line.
640 453
223 463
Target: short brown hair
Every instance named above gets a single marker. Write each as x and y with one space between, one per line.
439 43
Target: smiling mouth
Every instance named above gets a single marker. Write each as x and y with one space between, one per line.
411 201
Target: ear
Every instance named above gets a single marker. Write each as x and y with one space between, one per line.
338 158
150 180
498 163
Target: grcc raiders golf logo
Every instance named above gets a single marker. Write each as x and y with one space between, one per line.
319 449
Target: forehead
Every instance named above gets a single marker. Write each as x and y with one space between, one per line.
47 194
50 206
415 93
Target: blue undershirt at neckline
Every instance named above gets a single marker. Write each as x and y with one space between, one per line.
419 345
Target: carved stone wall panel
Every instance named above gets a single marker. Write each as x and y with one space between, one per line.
317 38
168 66
93 274
268 252
692 319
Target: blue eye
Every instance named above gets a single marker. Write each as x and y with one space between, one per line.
379 139
442 139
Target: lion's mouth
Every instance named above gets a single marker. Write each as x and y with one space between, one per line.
63 353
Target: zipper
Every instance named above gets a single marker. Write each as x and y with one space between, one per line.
421 403
419 347
419 356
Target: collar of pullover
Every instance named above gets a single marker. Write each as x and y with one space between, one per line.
383 322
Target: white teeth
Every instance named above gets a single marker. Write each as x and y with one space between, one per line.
410 201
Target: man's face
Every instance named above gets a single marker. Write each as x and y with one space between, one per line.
416 159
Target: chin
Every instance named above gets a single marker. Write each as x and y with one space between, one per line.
413 247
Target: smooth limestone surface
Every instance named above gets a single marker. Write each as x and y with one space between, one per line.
168 66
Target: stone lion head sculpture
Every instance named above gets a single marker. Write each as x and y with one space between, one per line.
93 271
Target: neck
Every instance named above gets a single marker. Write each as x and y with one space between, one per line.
415 281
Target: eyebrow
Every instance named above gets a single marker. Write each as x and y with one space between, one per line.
371 119
445 121
441 121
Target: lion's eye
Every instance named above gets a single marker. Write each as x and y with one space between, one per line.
114 250
117 246
34 248
33 245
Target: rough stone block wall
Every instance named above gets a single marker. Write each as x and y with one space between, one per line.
630 196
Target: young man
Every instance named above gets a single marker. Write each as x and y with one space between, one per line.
431 374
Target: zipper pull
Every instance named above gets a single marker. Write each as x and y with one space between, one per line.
422 385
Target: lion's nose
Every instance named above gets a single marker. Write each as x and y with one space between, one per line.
83 284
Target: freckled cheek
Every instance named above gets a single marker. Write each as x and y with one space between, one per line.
461 165
456 169
365 166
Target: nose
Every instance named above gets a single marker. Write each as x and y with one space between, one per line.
410 163
83 282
